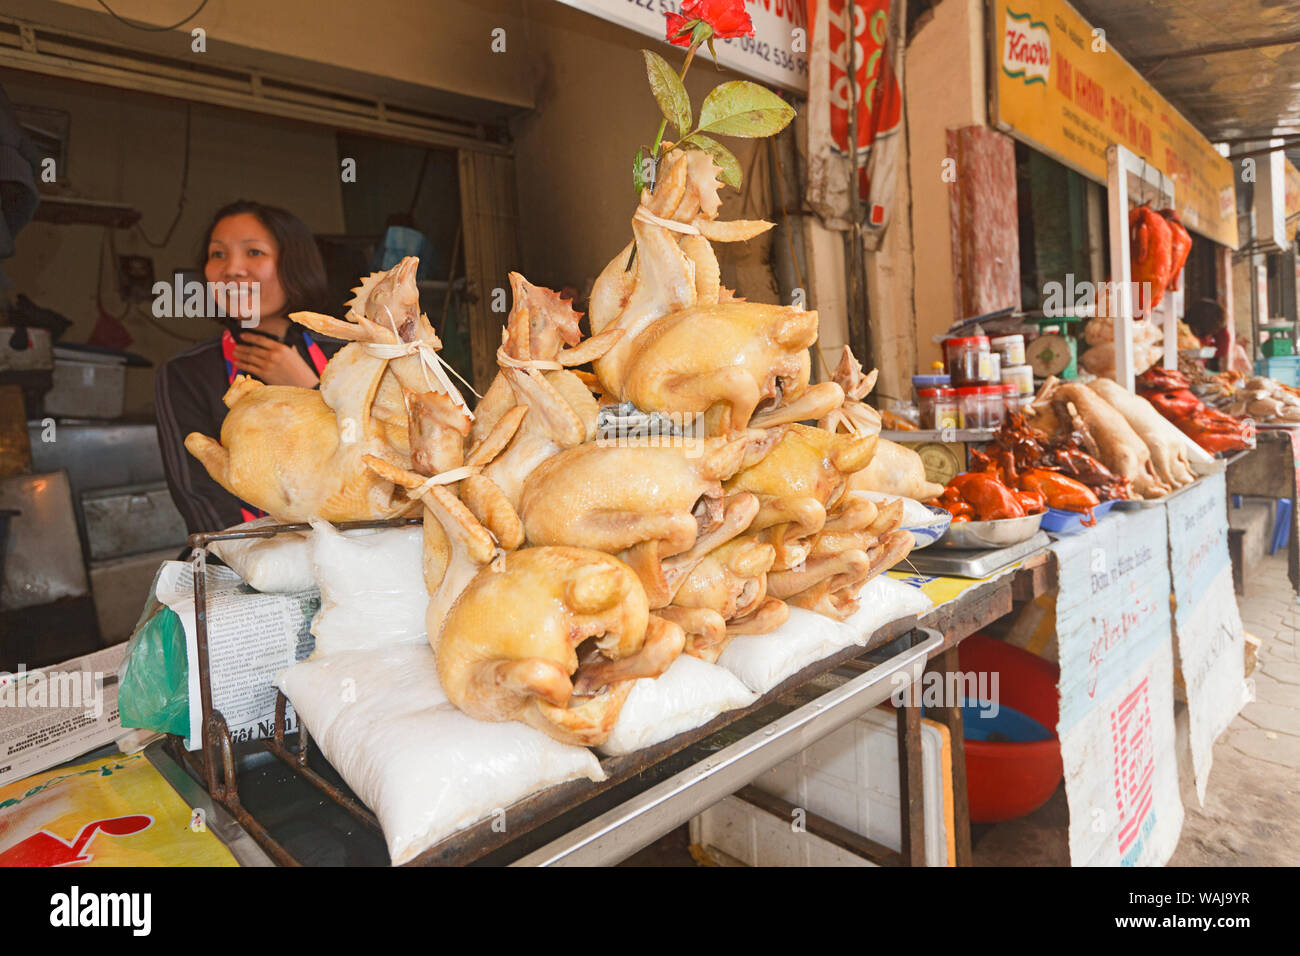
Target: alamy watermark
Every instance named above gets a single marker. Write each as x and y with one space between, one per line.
53 690
953 689
195 299
619 426
1083 298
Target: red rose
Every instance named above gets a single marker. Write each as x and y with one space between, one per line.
722 18
728 18
679 29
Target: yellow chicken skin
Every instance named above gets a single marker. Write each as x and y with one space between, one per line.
297 453
556 639
806 470
644 500
724 595
724 359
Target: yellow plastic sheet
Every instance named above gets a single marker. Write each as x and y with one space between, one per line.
941 590
118 811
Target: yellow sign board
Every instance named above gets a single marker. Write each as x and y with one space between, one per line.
1292 176
1059 86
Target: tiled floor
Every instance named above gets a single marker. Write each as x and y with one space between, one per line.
1251 815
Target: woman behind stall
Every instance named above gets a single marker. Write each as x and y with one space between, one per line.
1209 323
247 242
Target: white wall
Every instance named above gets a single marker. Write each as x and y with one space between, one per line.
128 147
945 89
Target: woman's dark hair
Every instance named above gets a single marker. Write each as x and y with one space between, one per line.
1206 317
299 265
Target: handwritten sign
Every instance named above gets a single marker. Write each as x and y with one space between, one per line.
1207 625
1117 708
776 53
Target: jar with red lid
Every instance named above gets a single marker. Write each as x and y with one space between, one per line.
1011 398
981 406
938 407
971 361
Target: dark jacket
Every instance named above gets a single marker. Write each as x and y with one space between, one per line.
187 396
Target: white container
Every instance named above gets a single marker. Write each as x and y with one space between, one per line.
86 389
1010 347
849 777
38 356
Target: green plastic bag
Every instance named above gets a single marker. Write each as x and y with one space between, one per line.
153 692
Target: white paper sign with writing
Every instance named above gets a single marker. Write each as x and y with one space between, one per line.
1207 624
1117 708
777 52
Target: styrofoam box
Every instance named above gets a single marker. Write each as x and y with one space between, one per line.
86 389
850 777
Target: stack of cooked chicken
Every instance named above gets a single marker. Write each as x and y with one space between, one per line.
565 561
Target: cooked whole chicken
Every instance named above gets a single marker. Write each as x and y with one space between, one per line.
688 344
725 595
296 453
556 639
561 412
893 469
657 504
805 472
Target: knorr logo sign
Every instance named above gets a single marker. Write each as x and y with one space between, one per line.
1027 50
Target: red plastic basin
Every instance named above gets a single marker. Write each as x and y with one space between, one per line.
1005 780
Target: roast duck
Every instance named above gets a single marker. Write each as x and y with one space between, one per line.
1213 430
1020 475
1151 252
563 563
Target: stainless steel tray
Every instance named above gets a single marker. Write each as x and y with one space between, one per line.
951 562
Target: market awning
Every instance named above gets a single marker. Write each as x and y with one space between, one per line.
1231 66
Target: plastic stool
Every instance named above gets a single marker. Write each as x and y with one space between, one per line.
1281 525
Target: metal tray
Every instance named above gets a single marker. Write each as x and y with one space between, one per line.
951 562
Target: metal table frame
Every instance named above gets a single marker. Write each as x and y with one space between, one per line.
618 832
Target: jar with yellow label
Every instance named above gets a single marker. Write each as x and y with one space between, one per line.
938 407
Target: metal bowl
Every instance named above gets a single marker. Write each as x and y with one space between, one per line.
983 535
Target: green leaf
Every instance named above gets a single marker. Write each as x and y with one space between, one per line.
669 92
741 108
726 161
638 171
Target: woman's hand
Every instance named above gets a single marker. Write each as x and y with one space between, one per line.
274 362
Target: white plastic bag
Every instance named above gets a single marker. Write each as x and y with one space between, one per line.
884 599
278 565
372 590
687 695
422 766
762 661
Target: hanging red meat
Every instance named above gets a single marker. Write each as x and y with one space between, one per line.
1150 253
1180 245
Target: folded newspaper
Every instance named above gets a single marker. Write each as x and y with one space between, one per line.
252 638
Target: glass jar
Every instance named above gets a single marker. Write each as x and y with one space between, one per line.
1022 376
981 406
936 380
938 407
971 361
1010 347
1011 398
